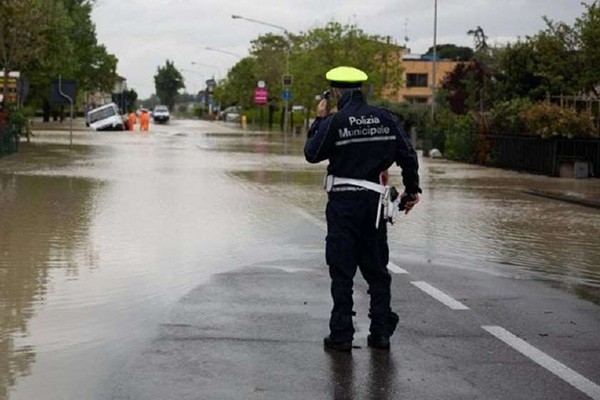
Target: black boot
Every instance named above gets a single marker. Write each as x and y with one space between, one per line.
382 340
378 342
392 322
337 346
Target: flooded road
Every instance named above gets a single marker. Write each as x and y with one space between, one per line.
97 243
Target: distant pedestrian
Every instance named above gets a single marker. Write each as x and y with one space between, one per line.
132 120
361 142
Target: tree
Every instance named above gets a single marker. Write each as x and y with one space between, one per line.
557 57
466 87
479 38
318 50
70 48
126 99
588 30
516 73
168 81
95 68
21 41
452 52
311 54
238 87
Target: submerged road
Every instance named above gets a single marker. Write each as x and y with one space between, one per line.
188 264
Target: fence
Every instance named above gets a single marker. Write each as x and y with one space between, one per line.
9 141
537 155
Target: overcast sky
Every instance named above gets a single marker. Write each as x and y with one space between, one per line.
144 33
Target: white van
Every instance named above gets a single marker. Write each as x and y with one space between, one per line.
106 118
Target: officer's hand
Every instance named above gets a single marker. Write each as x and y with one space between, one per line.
322 109
409 200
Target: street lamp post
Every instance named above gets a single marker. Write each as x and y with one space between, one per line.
209 66
287 63
434 74
224 51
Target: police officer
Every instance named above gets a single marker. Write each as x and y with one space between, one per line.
361 142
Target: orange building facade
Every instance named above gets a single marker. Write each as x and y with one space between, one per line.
417 79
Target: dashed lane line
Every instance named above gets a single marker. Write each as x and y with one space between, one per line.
396 269
440 296
562 371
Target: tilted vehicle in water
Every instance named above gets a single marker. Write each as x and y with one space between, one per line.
106 118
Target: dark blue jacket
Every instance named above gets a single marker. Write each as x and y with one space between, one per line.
361 141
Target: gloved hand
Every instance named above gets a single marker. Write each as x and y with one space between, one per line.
408 201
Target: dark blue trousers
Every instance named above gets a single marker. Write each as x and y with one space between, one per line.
353 241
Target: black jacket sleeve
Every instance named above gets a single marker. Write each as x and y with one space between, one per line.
406 158
319 141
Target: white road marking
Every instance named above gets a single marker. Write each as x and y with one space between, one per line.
562 371
440 296
396 269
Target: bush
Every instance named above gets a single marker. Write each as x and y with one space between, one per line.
19 119
506 117
460 138
549 120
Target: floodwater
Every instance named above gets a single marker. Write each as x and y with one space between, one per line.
97 242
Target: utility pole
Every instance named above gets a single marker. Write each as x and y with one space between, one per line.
434 72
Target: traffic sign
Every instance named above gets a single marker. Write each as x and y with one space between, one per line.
287 80
261 96
66 86
287 94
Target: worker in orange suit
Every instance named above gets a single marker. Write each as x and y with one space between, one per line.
132 120
144 120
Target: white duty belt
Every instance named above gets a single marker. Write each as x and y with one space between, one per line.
385 201
331 181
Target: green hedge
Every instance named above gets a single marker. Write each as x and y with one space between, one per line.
9 140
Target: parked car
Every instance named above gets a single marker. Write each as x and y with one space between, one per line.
106 118
161 114
231 114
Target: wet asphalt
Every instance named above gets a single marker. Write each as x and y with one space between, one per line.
251 325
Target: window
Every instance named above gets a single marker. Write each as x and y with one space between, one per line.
102 113
416 80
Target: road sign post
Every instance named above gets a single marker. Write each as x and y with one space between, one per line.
287 96
64 91
261 97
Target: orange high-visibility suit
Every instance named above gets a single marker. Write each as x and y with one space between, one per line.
144 121
132 121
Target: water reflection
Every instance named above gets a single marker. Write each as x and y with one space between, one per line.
341 367
348 384
381 375
43 225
